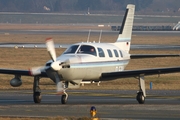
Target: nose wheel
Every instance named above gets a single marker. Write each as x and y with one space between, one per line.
64 98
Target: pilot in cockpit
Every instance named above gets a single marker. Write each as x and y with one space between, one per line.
92 51
85 49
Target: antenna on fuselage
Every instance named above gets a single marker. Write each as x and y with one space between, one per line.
100 36
88 36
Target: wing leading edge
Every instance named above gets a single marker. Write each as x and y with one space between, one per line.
137 73
20 72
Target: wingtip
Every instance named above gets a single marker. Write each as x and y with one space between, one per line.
30 72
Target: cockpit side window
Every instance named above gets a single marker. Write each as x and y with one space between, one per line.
71 49
86 49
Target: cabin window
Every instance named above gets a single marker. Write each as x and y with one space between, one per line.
109 53
71 49
101 52
116 53
86 49
121 53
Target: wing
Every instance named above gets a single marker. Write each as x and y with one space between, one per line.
20 72
136 73
137 56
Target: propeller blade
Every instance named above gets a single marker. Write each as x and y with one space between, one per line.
59 88
36 70
59 85
51 48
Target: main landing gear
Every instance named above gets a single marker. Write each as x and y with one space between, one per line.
37 92
141 94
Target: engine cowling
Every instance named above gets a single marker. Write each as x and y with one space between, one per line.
16 82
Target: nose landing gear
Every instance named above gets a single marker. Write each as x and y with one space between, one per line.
64 98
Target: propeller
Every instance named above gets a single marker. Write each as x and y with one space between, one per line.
54 67
36 70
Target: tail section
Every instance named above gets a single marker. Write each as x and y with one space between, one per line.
124 38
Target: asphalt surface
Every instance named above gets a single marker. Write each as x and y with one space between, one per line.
110 104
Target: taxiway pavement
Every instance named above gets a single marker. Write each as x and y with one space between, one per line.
116 104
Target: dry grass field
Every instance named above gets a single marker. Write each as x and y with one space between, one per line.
26 58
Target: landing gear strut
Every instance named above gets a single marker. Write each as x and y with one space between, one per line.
36 90
141 94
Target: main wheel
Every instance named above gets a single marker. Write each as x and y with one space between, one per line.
140 98
64 99
37 97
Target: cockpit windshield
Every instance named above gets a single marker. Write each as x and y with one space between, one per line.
83 49
71 49
86 49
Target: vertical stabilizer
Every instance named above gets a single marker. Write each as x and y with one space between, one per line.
124 38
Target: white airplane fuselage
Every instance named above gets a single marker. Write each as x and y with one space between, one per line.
83 65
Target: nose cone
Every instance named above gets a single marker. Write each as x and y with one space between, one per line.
56 66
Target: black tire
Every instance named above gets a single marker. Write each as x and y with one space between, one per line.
37 97
140 98
63 99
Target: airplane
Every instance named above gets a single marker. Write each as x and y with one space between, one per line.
90 61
